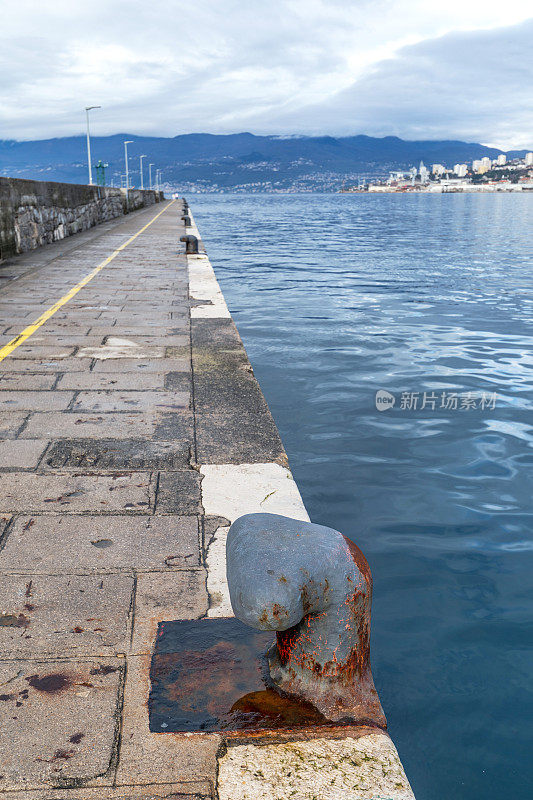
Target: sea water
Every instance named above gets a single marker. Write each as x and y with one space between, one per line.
424 301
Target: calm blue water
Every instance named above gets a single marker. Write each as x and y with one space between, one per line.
336 297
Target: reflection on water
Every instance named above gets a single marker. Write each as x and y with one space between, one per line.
336 297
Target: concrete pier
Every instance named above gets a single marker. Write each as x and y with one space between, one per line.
132 433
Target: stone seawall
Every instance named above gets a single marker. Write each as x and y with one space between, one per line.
33 213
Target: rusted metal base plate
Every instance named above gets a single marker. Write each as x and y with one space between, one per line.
207 676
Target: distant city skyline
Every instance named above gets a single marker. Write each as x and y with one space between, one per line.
442 70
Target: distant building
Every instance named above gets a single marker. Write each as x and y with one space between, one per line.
460 170
481 165
423 172
501 160
398 175
438 169
529 159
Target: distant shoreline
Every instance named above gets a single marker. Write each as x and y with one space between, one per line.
469 190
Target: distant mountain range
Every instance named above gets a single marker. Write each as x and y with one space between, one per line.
236 162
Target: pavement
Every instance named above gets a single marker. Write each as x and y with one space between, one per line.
132 433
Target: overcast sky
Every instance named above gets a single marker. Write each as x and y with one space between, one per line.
422 69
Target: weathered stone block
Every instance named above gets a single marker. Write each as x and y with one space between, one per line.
59 722
23 491
81 543
64 615
121 454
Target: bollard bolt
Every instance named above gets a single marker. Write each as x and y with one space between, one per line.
187 221
314 588
191 244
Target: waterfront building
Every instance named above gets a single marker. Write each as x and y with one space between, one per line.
501 160
481 165
529 159
460 170
438 169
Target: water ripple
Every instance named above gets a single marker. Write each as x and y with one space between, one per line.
337 296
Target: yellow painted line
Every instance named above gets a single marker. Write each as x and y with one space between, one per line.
27 332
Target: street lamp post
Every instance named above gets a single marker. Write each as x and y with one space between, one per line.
87 109
150 173
129 141
142 177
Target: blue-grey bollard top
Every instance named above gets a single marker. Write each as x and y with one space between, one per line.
313 587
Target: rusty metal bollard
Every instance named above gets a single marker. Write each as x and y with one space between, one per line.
187 221
314 588
191 244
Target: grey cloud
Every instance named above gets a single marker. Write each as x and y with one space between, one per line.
474 85
228 65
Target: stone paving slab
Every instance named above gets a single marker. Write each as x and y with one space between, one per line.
64 615
175 426
34 401
237 438
59 721
83 543
179 492
219 392
154 340
71 493
125 322
176 327
117 400
119 365
57 425
55 326
44 351
49 365
67 339
17 382
128 381
178 381
163 596
118 347
21 453
11 422
117 454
